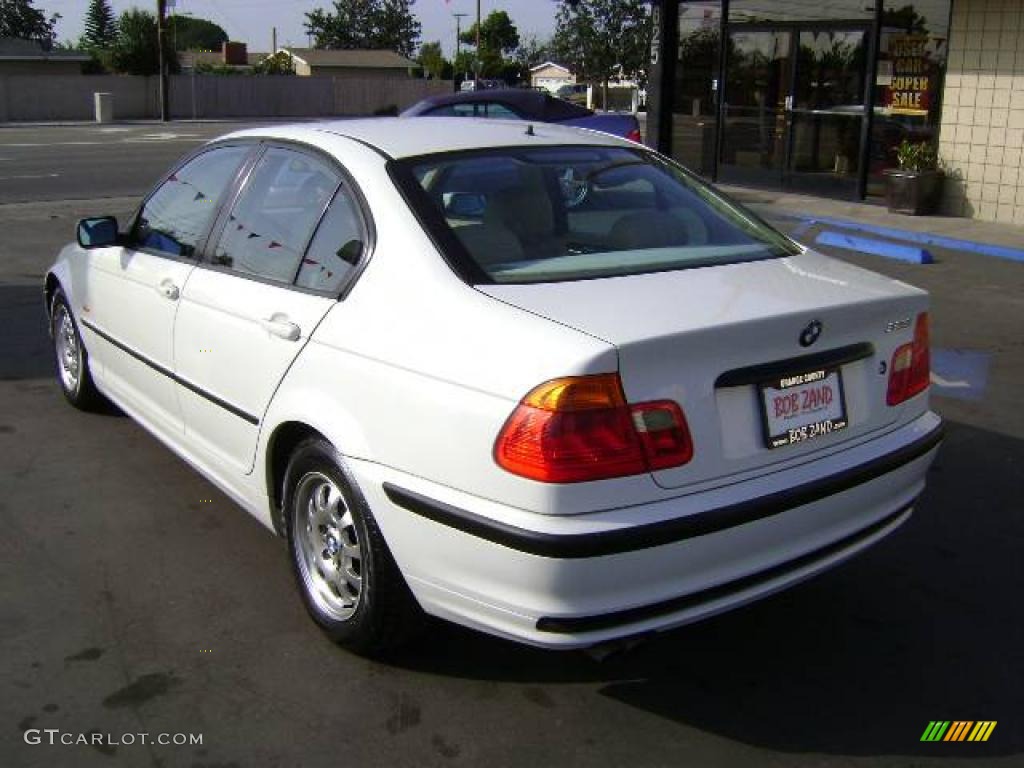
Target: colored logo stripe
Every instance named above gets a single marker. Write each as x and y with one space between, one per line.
958 730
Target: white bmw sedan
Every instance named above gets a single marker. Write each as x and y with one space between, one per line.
535 380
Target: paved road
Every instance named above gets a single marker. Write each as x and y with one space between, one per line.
134 597
91 161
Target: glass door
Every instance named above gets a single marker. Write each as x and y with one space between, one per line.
758 83
827 112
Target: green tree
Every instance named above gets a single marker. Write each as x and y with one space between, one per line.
100 26
280 63
18 18
601 39
135 50
532 51
498 35
188 33
432 59
374 24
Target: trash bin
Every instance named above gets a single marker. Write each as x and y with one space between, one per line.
104 107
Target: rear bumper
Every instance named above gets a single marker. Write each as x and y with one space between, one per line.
576 581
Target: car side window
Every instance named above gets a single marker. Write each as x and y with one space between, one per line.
463 109
272 220
176 216
336 248
500 112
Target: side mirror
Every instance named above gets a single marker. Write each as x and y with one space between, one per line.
98 232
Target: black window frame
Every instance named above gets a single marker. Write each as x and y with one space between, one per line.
131 242
362 208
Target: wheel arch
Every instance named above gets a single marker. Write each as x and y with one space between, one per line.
282 442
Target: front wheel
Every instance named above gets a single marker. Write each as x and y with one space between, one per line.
345 573
72 361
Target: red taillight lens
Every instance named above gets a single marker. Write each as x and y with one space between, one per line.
578 429
910 370
664 433
634 135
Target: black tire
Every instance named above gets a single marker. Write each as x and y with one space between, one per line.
384 615
77 386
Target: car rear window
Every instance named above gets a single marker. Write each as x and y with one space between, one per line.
551 214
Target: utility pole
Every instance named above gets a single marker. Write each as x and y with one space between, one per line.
476 83
161 10
458 41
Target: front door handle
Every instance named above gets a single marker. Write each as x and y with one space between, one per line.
279 325
168 289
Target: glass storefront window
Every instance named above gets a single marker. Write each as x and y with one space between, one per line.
757 11
913 48
695 107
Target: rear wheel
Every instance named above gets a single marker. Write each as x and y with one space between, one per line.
346 575
71 358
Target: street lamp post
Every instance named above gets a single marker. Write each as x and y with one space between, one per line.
476 80
161 10
458 41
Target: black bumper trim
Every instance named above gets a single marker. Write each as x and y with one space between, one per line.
832 358
571 546
579 624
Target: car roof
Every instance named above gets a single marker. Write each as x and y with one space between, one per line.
538 103
399 137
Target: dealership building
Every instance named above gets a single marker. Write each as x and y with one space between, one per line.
813 96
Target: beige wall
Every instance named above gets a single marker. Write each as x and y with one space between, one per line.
39 97
982 132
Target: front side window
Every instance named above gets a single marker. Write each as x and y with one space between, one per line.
272 220
176 216
550 214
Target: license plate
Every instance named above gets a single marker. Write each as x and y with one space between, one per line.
802 406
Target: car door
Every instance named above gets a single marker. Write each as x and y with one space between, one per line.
273 269
132 290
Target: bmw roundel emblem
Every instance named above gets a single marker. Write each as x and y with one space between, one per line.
810 334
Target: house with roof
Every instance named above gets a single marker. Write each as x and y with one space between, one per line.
551 76
28 57
314 62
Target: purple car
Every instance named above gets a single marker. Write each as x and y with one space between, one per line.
521 104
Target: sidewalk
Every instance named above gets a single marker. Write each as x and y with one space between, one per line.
1002 240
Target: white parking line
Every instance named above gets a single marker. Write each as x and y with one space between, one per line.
31 176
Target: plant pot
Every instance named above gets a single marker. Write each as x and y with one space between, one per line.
916 193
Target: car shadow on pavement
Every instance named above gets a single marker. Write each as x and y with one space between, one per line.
24 340
925 626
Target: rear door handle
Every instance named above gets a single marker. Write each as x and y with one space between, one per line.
168 289
279 325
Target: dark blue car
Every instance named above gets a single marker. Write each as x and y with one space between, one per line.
521 104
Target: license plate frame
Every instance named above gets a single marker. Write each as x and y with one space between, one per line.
802 430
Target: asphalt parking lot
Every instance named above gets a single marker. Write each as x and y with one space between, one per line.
134 597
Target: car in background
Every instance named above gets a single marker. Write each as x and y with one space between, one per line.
573 92
481 85
543 383
524 104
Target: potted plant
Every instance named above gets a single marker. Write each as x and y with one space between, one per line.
914 187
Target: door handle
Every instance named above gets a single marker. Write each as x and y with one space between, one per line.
168 289
279 325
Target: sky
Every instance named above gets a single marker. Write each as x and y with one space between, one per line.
250 21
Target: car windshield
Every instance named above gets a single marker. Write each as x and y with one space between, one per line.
551 214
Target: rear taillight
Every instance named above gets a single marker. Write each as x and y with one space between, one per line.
581 428
910 370
634 135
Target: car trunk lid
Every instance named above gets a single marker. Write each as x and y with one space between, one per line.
711 338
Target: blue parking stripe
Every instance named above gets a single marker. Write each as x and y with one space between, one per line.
923 238
909 253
